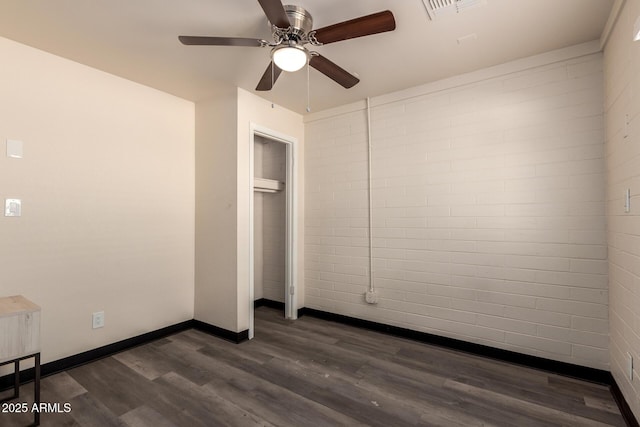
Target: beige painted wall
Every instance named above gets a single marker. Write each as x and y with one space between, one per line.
216 211
622 100
256 110
108 200
222 205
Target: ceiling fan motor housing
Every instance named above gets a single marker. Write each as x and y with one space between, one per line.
301 20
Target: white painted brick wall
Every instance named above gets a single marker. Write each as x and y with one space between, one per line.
622 98
489 213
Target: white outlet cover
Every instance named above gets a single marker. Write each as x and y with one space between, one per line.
14 148
98 320
12 207
371 297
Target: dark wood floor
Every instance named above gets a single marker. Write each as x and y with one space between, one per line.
313 373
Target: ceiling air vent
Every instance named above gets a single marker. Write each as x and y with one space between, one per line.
439 8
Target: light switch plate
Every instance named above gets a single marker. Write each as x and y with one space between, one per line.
627 200
12 207
14 148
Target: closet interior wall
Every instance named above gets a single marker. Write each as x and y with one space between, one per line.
269 222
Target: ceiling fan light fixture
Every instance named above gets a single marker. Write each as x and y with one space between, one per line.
290 57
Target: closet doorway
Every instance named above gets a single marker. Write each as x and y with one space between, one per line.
272 223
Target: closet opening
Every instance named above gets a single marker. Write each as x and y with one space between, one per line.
272 228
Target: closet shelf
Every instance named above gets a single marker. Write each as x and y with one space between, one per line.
265 185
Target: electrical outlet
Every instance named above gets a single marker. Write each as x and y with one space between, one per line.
371 297
98 319
13 207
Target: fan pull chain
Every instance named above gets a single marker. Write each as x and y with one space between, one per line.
308 90
273 66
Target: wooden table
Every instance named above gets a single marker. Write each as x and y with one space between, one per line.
20 340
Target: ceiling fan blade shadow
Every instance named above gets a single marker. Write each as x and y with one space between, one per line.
363 26
219 41
275 13
269 77
333 71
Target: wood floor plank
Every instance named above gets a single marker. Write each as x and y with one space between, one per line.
277 404
236 381
61 385
549 415
331 356
217 410
439 419
432 358
144 416
89 410
175 356
114 385
602 405
349 389
574 387
194 340
341 394
570 404
145 361
429 397
175 407
56 389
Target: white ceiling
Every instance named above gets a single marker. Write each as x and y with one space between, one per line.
137 39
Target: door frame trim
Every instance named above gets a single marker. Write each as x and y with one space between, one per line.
291 245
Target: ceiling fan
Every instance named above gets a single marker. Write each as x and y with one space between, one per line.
293 29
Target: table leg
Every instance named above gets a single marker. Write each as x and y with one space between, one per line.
36 390
16 379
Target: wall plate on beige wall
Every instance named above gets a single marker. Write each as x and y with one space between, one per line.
627 200
12 207
14 148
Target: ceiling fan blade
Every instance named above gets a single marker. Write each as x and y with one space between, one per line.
275 13
220 41
269 77
363 26
333 71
